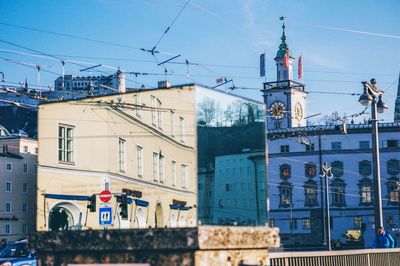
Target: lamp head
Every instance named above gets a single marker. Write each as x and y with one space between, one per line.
365 99
381 106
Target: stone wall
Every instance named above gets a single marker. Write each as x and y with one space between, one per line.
206 245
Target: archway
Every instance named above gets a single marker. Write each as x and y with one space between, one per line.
65 216
159 216
173 219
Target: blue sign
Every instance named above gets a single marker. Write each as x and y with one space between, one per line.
105 216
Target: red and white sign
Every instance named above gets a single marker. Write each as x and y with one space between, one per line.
105 196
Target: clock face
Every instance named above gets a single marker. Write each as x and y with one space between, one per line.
298 111
278 110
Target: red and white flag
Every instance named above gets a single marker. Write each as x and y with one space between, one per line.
300 67
286 60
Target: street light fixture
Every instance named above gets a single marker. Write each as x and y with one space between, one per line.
374 97
326 172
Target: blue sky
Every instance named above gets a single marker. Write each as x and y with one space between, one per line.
342 42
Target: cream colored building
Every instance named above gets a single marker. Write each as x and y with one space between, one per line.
142 144
18 157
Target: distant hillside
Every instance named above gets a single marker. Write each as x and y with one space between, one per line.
15 118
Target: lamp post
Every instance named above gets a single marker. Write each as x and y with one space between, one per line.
372 96
326 172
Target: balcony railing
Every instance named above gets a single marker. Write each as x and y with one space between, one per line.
366 257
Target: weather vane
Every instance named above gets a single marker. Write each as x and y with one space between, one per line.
282 18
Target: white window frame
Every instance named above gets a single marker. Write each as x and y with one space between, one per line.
9 206
155 167
161 172
8 190
122 154
139 159
138 102
173 170
65 144
159 114
182 129
172 121
153 110
184 177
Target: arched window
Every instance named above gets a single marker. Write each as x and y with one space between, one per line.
285 194
393 167
310 193
365 186
338 193
337 168
365 168
393 191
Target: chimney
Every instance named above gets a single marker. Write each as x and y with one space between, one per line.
164 84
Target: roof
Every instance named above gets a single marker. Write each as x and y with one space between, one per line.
11 155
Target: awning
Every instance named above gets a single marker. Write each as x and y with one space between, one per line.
142 203
66 197
178 207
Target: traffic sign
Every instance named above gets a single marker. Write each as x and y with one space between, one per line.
105 196
105 216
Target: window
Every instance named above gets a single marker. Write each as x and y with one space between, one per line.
159 114
182 129
8 167
393 167
139 154
121 154
5 149
161 170
358 222
65 143
153 109
8 229
228 187
293 223
24 187
365 186
393 191
284 148
277 125
200 186
173 167
338 193
26 149
24 208
391 143
172 121
389 220
25 168
35 168
24 228
365 168
184 176
310 193
306 223
8 207
36 150
8 186
337 168
138 103
336 145
285 194
363 144
155 167
310 147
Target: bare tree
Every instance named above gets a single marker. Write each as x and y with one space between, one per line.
207 112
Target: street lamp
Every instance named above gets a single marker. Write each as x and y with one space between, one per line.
326 172
372 96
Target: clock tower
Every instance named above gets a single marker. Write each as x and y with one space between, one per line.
285 99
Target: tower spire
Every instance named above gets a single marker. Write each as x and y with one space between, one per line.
397 104
284 58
